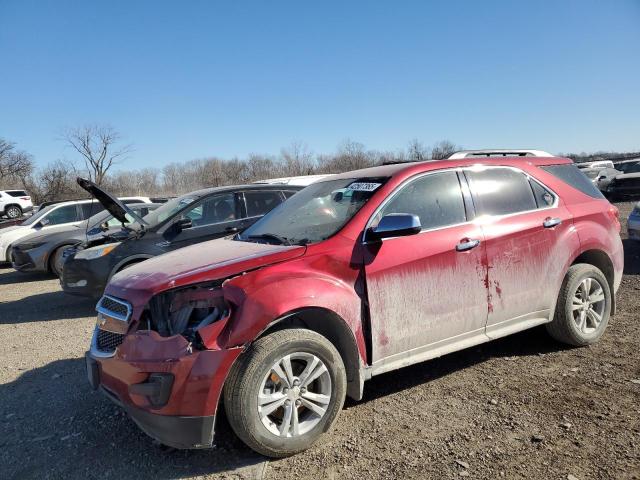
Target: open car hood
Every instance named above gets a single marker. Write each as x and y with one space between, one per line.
114 206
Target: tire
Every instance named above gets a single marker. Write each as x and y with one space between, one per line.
13 211
253 373
573 322
56 262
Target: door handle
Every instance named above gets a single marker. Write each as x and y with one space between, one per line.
551 222
467 244
232 229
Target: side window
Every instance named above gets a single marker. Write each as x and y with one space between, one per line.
90 209
65 214
571 175
215 209
436 199
500 191
544 198
259 203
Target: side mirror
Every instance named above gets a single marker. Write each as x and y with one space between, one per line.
602 177
395 225
104 226
182 224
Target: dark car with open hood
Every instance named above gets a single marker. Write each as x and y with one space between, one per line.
195 217
43 251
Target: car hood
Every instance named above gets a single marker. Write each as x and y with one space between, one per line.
10 235
114 206
207 261
54 234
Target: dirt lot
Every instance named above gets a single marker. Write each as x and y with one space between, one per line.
520 407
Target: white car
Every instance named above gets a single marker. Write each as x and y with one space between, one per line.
301 181
63 213
13 203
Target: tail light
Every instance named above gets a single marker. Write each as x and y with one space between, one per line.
613 213
25 198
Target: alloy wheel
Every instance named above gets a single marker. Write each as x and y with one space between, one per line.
588 305
294 395
13 212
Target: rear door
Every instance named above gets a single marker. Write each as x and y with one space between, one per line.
212 217
426 292
529 236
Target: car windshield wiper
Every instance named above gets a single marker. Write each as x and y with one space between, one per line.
270 236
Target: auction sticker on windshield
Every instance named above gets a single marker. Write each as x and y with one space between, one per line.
363 186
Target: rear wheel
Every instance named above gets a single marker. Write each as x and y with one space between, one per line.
583 308
285 391
13 211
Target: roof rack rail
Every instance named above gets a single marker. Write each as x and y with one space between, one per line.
498 153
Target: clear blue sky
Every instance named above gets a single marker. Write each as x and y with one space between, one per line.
183 80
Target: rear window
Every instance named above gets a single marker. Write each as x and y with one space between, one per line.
572 175
259 203
501 191
18 193
90 209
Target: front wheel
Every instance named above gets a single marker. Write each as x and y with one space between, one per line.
57 261
583 308
285 391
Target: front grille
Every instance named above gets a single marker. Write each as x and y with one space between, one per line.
114 308
108 341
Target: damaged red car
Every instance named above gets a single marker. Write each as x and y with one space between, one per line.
354 276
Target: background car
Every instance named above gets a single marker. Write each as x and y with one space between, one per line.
191 218
13 203
63 213
627 182
633 223
42 251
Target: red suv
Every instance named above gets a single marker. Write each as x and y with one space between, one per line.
354 276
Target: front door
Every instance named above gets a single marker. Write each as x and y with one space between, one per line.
426 292
213 217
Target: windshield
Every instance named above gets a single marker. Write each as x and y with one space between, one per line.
167 210
315 213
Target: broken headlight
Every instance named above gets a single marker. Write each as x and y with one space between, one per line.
184 312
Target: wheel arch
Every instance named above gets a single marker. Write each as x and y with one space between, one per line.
50 254
601 260
335 329
125 262
9 205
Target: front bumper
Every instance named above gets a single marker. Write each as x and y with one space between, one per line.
86 278
187 418
34 259
173 430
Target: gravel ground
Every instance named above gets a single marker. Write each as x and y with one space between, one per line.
519 407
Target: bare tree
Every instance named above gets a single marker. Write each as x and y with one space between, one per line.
298 160
416 152
98 146
15 165
443 149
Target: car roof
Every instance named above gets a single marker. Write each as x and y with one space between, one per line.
391 170
232 188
